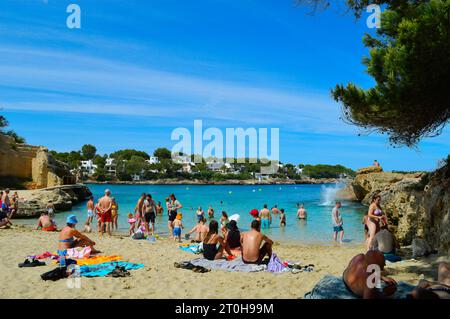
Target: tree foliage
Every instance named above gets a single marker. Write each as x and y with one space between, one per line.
162 153
89 151
410 62
127 154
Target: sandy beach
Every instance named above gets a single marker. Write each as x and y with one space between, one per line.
160 279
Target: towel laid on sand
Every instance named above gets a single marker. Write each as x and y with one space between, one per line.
193 248
234 265
103 269
332 287
98 260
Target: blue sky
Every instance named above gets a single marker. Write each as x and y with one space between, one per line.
138 69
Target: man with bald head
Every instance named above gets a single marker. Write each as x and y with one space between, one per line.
363 278
105 205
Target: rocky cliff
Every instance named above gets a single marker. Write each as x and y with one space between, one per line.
32 164
33 202
417 205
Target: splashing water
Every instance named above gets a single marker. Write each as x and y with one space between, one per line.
328 193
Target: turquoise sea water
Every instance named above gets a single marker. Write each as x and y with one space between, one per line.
240 199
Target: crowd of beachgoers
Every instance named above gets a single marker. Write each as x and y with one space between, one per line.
222 239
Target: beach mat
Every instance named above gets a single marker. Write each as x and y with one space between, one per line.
235 265
192 248
332 287
103 269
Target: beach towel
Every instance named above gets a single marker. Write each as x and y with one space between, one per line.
103 269
275 265
332 287
235 265
393 258
45 256
193 248
79 252
98 260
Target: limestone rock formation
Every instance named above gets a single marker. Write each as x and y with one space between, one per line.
417 205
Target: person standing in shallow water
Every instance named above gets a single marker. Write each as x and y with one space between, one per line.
337 222
266 217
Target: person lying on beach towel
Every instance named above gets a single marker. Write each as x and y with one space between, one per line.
332 287
252 251
363 276
434 290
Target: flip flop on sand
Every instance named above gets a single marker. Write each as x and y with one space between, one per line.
33 263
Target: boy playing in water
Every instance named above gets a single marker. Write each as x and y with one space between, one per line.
177 226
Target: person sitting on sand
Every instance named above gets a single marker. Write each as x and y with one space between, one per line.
385 242
252 252
214 244
69 237
282 218
201 230
233 235
46 223
4 220
177 227
361 267
434 290
301 212
266 217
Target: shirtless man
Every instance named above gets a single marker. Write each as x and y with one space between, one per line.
6 203
90 206
252 252
149 213
301 212
360 279
266 217
46 223
201 230
138 209
434 290
105 205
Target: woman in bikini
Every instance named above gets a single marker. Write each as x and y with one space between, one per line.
114 213
375 218
69 237
214 244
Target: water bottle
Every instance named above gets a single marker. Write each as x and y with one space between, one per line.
62 259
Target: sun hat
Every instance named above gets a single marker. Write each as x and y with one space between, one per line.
254 212
179 216
72 219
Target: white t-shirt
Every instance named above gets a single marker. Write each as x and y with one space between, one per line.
335 216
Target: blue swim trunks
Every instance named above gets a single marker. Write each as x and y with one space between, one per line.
338 228
265 223
177 231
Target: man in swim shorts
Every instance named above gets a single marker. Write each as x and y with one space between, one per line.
149 213
361 279
337 222
105 204
252 252
266 217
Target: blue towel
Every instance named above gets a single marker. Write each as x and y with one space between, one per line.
193 248
392 257
103 269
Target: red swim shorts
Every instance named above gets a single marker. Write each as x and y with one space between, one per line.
106 217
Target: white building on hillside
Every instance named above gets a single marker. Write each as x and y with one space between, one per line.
153 160
88 166
110 166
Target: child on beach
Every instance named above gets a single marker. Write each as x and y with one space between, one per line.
177 226
282 217
132 222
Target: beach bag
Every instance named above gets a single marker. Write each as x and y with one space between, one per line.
55 274
275 264
138 235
